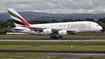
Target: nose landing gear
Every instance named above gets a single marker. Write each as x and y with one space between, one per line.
96 34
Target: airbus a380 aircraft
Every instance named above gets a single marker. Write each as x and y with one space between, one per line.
63 28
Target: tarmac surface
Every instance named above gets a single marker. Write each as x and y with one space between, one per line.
71 54
56 40
74 56
50 51
81 57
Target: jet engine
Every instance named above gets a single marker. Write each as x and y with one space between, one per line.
62 32
47 31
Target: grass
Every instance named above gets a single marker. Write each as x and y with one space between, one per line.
18 56
57 46
58 55
25 56
79 36
38 43
22 36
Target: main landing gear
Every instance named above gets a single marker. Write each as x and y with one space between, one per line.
55 37
96 34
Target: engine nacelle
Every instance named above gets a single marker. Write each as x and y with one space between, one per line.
47 31
62 32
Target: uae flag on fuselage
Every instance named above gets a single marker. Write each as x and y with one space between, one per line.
17 19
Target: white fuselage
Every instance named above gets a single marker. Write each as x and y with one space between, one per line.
80 26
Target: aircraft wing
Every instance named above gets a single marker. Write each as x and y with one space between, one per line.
41 29
55 30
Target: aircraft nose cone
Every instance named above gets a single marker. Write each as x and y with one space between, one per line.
100 28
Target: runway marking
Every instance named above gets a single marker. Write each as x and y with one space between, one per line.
78 53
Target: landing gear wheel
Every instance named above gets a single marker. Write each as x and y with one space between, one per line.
61 37
53 37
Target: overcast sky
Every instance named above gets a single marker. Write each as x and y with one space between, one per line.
55 6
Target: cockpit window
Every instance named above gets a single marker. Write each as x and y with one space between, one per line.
97 25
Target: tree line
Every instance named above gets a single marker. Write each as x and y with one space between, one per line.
9 23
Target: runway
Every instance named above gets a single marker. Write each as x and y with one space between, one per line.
44 51
56 40
52 40
68 54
